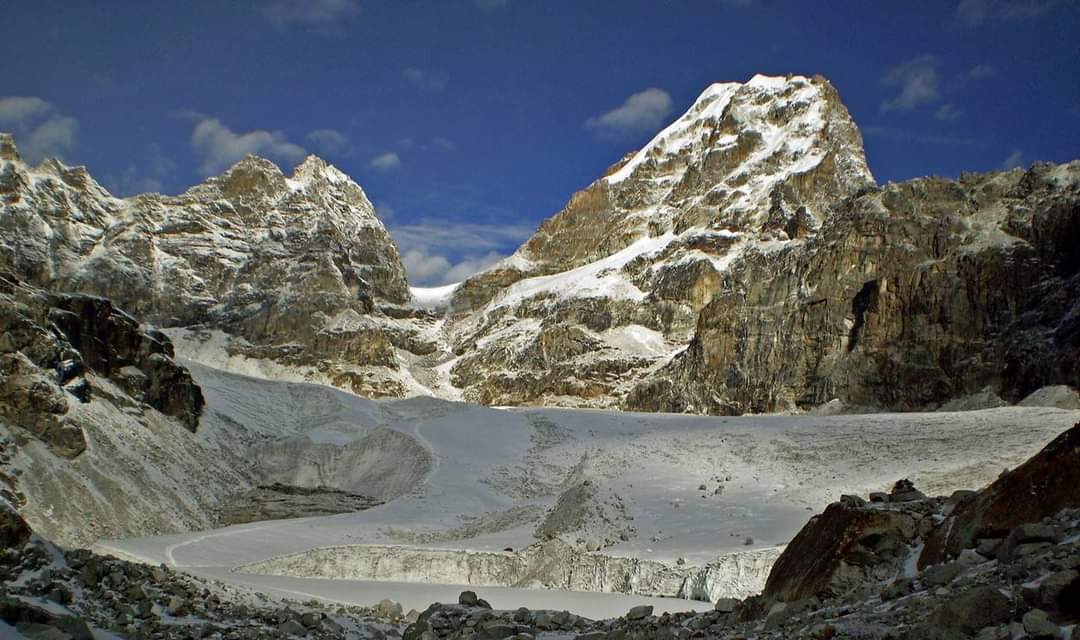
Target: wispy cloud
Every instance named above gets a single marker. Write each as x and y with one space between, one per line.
445 144
385 161
947 112
39 128
982 71
916 82
328 141
147 176
385 212
219 147
972 13
425 79
642 112
325 16
899 135
439 252
1015 159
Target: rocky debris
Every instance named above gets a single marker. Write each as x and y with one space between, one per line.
588 516
846 544
49 593
14 532
1035 490
870 587
279 501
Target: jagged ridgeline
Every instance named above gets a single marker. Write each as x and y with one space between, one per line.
743 260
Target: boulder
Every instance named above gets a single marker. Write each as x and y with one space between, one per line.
1048 482
975 609
839 537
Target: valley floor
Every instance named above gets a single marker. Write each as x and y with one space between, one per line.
496 500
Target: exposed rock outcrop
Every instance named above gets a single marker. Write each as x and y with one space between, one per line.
279 501
896 539
611 287
745 261
52 340
906 297
1037 489
295 267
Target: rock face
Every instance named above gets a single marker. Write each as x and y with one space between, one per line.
611 286
904 539
277 261
1039 488
908 296
51 341
745 261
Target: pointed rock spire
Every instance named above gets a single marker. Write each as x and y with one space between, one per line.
8 151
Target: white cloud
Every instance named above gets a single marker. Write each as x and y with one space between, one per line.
40 130
641 112
948 112
917 81
981 71
972 13
1015 159
438 252
385 212
320 15
145 176
469 237
386 161
425 79
329 141
221 147
445 144
431 270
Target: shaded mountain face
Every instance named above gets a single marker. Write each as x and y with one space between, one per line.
277 261
745 260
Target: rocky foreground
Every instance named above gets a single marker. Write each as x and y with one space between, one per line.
1003 562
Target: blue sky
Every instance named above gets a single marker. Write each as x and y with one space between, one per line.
470 121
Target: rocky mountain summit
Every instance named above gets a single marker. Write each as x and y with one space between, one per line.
611 287
745 261
294 269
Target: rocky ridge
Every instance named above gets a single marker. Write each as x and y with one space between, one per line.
744 260
294 269
610 287
51 344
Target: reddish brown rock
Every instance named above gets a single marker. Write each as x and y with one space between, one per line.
1042 486
842 537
